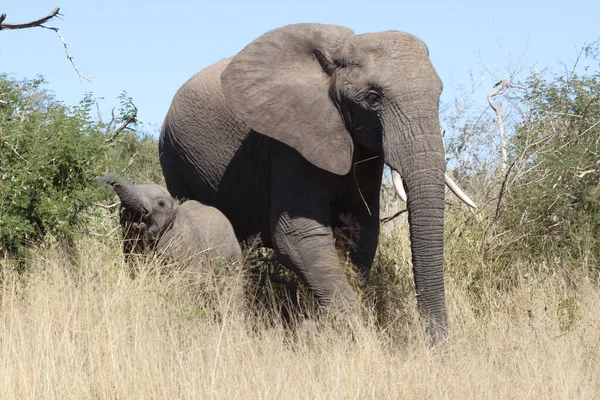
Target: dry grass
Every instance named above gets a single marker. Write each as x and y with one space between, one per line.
77 326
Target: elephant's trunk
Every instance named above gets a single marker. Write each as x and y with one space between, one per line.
418 154
131 200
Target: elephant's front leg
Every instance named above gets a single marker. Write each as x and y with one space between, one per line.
306 246
300 226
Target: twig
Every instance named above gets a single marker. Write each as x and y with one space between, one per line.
108 207
584 173
69 56
502 192
40 23
587 107
10 146
498 110
110 126
590 128
388 219
130 163
356 181
577 59
125 123
498 205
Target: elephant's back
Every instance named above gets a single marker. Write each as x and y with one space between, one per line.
208 154
201 133
201 102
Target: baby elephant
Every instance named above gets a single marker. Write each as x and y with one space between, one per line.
153 220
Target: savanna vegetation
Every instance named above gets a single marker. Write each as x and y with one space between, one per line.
521 270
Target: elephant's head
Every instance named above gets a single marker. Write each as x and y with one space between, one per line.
147 212
323 90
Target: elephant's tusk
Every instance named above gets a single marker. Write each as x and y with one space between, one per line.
458 191
397 180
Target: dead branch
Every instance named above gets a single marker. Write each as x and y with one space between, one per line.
69 56
130 163
113 121
30 24
106 206
498 110
587 107
131 118
40 23
388 219
502 192
584 173
498 206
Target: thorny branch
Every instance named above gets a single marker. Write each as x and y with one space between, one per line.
131 118
40 23
69 56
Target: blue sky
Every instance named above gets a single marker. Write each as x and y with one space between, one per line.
150 48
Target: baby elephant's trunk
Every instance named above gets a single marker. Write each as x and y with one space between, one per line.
132 202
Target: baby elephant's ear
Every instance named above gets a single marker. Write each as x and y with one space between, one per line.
279 86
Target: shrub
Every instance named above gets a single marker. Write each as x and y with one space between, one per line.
50 158
554 202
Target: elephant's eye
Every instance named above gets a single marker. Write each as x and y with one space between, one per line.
373 98
161 203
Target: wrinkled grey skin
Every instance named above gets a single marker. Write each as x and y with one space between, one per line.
297 127
152 220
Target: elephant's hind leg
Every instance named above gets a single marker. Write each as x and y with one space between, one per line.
175 172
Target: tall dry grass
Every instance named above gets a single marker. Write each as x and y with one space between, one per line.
77 326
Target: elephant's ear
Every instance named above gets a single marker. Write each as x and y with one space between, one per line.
279 85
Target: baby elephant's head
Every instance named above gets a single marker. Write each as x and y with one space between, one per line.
147 211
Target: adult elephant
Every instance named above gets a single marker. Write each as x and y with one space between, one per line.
289 139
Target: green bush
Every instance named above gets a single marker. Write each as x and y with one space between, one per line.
50 158
542 214
554 202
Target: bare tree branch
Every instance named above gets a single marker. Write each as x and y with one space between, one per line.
30 24
587 107
584 173
130 163
69 56
131 118
40 23
498 110
106 206
388 219
501 194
